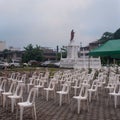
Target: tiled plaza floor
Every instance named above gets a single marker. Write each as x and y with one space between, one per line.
99 109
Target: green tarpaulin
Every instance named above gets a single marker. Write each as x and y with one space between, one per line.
110 49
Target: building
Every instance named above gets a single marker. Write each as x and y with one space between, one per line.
2 45
49 54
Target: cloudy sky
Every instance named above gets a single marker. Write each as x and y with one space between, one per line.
49 22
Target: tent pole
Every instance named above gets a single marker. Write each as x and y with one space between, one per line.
114 62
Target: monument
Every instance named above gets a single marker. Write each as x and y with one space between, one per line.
72 53
73 61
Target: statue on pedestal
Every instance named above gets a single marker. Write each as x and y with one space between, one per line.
72 35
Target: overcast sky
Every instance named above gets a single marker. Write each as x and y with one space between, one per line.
48 23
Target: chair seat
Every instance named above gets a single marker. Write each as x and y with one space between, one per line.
48 89
91 90
14 96
38 86
25 104
7 93
20 81
109 87
75 87
81 98
116 94
86 84
61 92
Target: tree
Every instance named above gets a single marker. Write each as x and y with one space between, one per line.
38 53
117 34
64 52
105 37
5 54
32 53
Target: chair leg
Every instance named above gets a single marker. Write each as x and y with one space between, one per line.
88 105
115 100
71 105
17 112
12 105
60 103
69 98
1 97
79 106
21 113
54 94
4 100
89 96
35 113
47 92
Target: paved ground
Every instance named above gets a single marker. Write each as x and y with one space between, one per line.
98 110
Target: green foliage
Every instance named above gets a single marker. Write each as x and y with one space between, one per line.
106 36
109 36
64 52
117 34
32 53
58 56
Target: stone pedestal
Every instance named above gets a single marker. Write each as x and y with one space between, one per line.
72 56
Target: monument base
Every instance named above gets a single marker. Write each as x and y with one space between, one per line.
81 63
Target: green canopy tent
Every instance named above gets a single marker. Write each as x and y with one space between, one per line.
110 49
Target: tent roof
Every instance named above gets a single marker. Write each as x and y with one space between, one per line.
111 48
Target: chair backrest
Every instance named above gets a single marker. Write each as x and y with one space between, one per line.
31 80
19 89
41 83
32 95
65 87
95 84
83 91
12 75
23 78
12 87
3 84
51 84
17 75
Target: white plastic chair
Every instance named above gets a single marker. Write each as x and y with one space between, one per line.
10 92
50 88
23 78
29 103
83 96
77 86
18 95
17 77
64 91
93 89
115 94
31 83
12 76
2 87
40 85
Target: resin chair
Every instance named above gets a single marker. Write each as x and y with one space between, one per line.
40 85
10 92
50 88
30 103
2 87
115 94
64 91
93 89
17 96
83 96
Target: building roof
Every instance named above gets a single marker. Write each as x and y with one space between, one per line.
111 48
